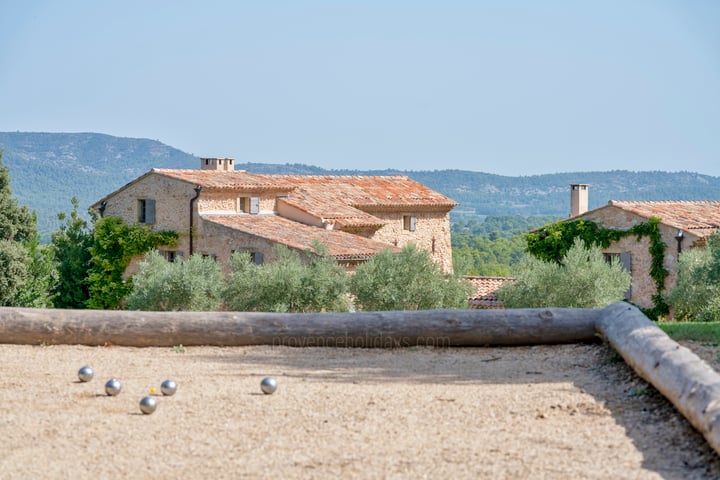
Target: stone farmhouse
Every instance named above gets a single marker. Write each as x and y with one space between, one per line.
683 225
219 211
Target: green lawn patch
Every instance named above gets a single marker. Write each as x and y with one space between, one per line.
707 332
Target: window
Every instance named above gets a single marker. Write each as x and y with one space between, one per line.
171 255
146 211
625 260
256 258
249 205
409 222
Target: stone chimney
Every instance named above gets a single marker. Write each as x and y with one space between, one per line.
219 164
578 199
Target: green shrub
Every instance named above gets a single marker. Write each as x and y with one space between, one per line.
293 283
192 284
696 296
582 279
409 280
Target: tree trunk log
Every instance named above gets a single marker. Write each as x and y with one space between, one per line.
365 329
680 375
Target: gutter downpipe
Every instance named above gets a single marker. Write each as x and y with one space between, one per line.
198 188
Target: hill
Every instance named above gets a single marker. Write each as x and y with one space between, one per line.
48 169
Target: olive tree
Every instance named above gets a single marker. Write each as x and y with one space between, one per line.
408 280
696 295
295 282
581 279
192 284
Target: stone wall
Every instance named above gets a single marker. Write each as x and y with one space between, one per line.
643 286
227 201
432 233
222 242
172 205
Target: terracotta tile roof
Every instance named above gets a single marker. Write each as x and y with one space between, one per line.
486 288
332 190
701 218
365 191
238 179
327 206
341 245
346 200
342 200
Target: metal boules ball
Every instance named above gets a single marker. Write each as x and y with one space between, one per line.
113 387
148 405
85 374
268 385
168 388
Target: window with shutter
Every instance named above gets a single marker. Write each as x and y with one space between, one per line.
409 222
146 211
248 205
150 211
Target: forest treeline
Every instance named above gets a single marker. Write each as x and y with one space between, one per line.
493 245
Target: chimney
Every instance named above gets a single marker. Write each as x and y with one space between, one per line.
219 164
578 199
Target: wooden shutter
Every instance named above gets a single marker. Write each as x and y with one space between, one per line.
254 205
149 211
626 261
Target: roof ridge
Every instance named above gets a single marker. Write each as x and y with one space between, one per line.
615 202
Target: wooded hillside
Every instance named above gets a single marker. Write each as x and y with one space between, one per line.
48 169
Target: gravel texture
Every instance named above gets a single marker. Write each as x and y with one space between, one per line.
543 412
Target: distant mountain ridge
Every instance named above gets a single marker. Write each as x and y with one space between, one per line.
48 169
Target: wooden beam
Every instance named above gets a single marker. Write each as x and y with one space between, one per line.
680 375
363 329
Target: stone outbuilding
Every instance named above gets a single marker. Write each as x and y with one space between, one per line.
683 225
218 211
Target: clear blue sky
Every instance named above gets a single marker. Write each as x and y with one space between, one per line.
501 86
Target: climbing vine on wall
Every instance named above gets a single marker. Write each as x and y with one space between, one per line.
114 245
552 242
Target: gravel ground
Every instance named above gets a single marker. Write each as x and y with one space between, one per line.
543 412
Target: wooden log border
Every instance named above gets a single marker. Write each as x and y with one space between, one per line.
688 382
675 371
443 328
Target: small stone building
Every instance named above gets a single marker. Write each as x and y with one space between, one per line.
218 211
683 225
